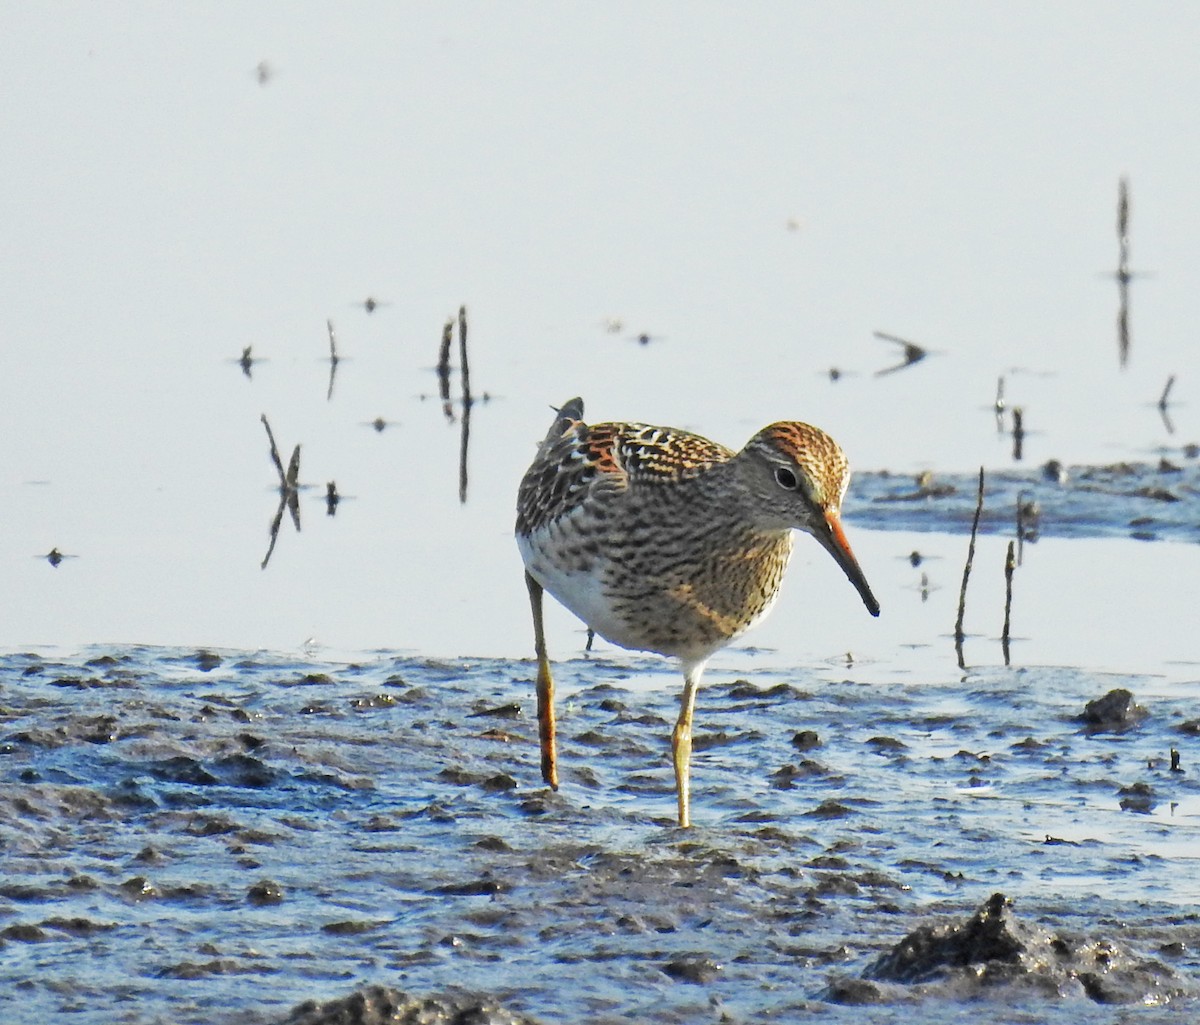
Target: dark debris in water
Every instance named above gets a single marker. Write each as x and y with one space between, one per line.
381 1005
1114 712
995 953
1147 501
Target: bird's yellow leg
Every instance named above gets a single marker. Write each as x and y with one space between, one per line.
545 688
681 742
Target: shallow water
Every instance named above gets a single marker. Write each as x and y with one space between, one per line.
199 837
1146 501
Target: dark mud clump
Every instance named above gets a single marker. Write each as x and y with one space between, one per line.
995 952
381 1005
1114 712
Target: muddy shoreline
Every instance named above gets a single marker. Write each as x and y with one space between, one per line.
199 836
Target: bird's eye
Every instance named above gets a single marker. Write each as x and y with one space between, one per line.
785 478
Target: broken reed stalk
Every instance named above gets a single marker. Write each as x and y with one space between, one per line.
464 365
1123 322
274 451
1018 432
1020 526
464 440
464 369
1010 564
289 493
962 594
1164 400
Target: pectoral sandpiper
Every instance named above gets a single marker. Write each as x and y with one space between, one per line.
661 540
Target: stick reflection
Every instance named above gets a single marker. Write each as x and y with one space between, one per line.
289 490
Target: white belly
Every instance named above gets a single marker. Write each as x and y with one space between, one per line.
579 591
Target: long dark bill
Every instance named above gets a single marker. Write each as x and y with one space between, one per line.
835 543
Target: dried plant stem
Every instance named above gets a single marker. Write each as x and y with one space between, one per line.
1010 564
464 365
962 594
464 442
1164 399
464 369
1018 433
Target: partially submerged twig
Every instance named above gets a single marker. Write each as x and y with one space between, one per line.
1018 433
333 359
464 366
464 371
274 451
1010 564
1123 274
1123 323
464 440
1163 399
913 353
1164 403
962 594
289 490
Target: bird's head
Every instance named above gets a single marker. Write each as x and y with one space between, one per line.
797 476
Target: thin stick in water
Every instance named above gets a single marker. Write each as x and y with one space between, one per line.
464 440
464 365
1164 399
962 594
1020 526
465 375
1010 564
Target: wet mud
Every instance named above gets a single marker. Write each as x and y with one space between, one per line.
998 954
1152 501
249 838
